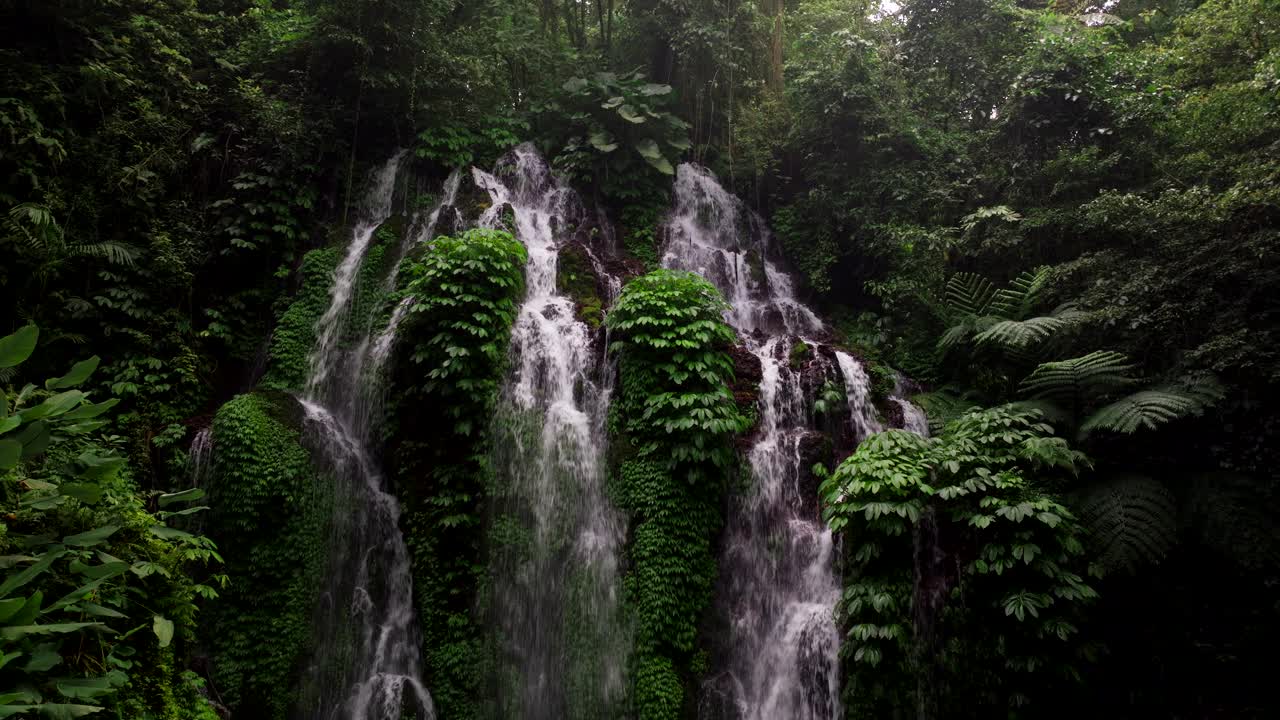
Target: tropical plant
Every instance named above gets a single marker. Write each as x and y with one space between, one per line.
614 123
978 501
87 567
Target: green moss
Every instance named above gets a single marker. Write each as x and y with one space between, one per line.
639 232
576 279
800 353
294 335
270 522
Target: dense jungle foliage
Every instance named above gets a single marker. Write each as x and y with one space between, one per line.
1060 220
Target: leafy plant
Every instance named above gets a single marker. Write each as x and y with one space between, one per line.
993 549
92 567
615 122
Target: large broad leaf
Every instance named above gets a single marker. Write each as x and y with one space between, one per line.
10 453
648 149
85 412
84 687
49 710
163 628
601 140
27 575
26 611
655 89
662 165
168 533
55 406
679 143
92 537
630 114
78 374
35 439
613 102
180 497
17 632
574 85
8 423
87 493
43 657
18 347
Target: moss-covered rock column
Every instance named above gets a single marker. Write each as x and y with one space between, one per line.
465 293
673 426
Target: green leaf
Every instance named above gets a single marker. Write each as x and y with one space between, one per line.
655 89
648 149
50 710
35 439
163 629
10 422
78 374
87 493
182 497
29 574
16 348
662 165
91 537
629 114
574 85
168 533
44 657
85 412
17 632
601 140
84 687
10 453
54 406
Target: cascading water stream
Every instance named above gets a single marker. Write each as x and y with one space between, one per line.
366 663
556 602
779 586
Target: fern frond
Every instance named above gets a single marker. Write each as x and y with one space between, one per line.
1018 299
943 405
1133 518
969 294
1089 375
1144 409
113 252
1022 334
964 330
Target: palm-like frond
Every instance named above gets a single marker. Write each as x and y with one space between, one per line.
1022 334
113 252
1018 299
943 405
1134 520
969 294
1097 373
1152 408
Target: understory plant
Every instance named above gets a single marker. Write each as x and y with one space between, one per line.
673 423
967 574
98 597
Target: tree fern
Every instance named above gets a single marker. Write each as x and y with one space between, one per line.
1018 299
969 294
943 405
1076 379
1152 408
1022 334
1133 519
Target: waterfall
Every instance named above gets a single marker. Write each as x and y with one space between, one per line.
779 587
365 663
200 457
562 643
857 387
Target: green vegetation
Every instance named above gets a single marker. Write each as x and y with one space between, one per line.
465 293
98 603
674 420
1059 220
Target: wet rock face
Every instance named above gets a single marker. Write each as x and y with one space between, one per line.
746 379
815 448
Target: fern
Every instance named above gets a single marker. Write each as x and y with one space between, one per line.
944 405
969 294
1097 373
1133 518
1022 334
1017 300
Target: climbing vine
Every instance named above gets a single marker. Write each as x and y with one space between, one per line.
672 423
465 294
271 519
959 537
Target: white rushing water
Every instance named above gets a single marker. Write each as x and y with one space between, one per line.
557 594
366 644
857 385
778 580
